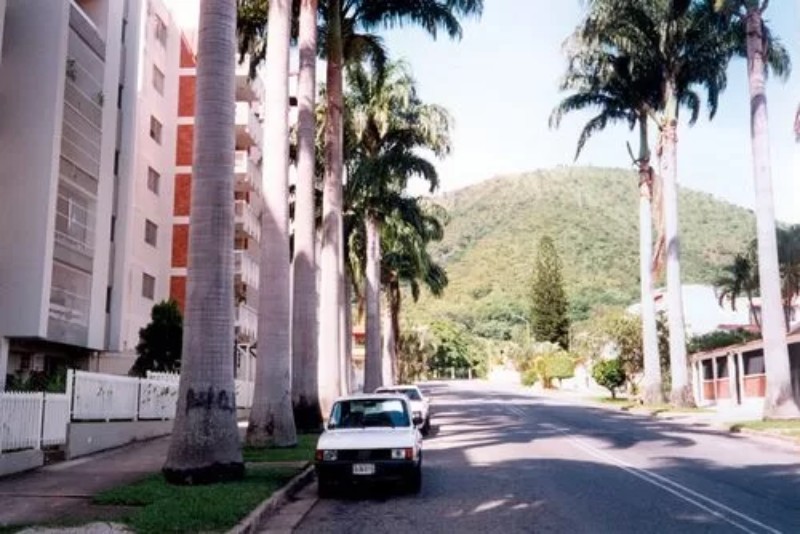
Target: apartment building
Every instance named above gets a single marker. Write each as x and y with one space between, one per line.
248 198
63 63
141 233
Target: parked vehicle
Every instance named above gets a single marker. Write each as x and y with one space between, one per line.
420 405
370 438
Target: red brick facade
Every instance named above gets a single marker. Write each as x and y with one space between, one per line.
184 144
183 195
180 245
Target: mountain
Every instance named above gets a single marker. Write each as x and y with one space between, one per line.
592 215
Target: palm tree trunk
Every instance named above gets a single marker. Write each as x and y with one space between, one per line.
330 348
779 402
271 420
347 379
388 342
205 445
373 372
305 396
394 289
681 394
653 393
345 333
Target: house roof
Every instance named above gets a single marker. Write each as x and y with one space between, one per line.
742 347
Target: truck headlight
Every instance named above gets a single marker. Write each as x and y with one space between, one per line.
327 455
402 454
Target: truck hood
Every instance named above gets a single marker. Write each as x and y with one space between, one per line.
367 438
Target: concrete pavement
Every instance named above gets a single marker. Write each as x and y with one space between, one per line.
507 461
65 490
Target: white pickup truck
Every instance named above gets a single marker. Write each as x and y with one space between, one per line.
369 438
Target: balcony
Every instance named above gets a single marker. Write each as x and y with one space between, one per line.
247 222
246 268
248 127
246 323
248 175
245 87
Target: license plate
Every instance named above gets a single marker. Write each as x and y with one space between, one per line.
363 469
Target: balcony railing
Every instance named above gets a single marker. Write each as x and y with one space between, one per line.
246 220
246 268
247 172
246 322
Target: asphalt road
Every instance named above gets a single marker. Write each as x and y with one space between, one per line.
507 461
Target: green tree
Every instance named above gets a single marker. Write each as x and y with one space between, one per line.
205 445
549 320
610 374
160 342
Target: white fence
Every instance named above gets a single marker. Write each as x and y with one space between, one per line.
35 420
32 420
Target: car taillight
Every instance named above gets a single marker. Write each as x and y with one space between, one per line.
402 454
320 455
409 454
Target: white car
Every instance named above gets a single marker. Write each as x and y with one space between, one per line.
420 406
369 438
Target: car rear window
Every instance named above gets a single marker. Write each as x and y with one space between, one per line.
411 393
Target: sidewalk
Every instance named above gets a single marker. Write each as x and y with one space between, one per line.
64 491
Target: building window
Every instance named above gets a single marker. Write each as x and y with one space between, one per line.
108 299
722 367
155 129
148 286
113 227
708 369
158 80
161 31
153 180
754 363
150 232
119 96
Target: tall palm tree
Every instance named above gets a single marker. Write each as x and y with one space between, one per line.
271 418
205 438
763 51
305 345
389 124
342 17
683 41
621 90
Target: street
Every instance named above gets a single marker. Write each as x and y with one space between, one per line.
509 461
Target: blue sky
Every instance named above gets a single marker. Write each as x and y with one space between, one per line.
501 82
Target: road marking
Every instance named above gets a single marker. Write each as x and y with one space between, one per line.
695 498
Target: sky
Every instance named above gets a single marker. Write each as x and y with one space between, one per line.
500 83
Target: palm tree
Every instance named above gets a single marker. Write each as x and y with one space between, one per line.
622 90
739 278
389 124
305 396
343 18
414 224
271 419
683 42
205 443
753 40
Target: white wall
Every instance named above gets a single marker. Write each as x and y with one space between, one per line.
32 86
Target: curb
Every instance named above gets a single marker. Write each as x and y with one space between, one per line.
786 440
273 502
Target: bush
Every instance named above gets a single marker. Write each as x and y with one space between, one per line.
609 374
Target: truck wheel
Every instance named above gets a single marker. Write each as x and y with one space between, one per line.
415 480
324 488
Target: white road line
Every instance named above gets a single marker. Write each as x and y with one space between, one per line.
676 489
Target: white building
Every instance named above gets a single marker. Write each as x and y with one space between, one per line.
143 197
63 63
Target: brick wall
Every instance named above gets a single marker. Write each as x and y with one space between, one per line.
180 245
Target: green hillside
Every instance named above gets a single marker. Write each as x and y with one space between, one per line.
592 214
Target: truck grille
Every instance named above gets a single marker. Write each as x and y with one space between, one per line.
363 455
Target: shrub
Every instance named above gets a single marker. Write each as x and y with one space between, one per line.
609 374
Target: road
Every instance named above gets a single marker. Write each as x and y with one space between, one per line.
507 461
